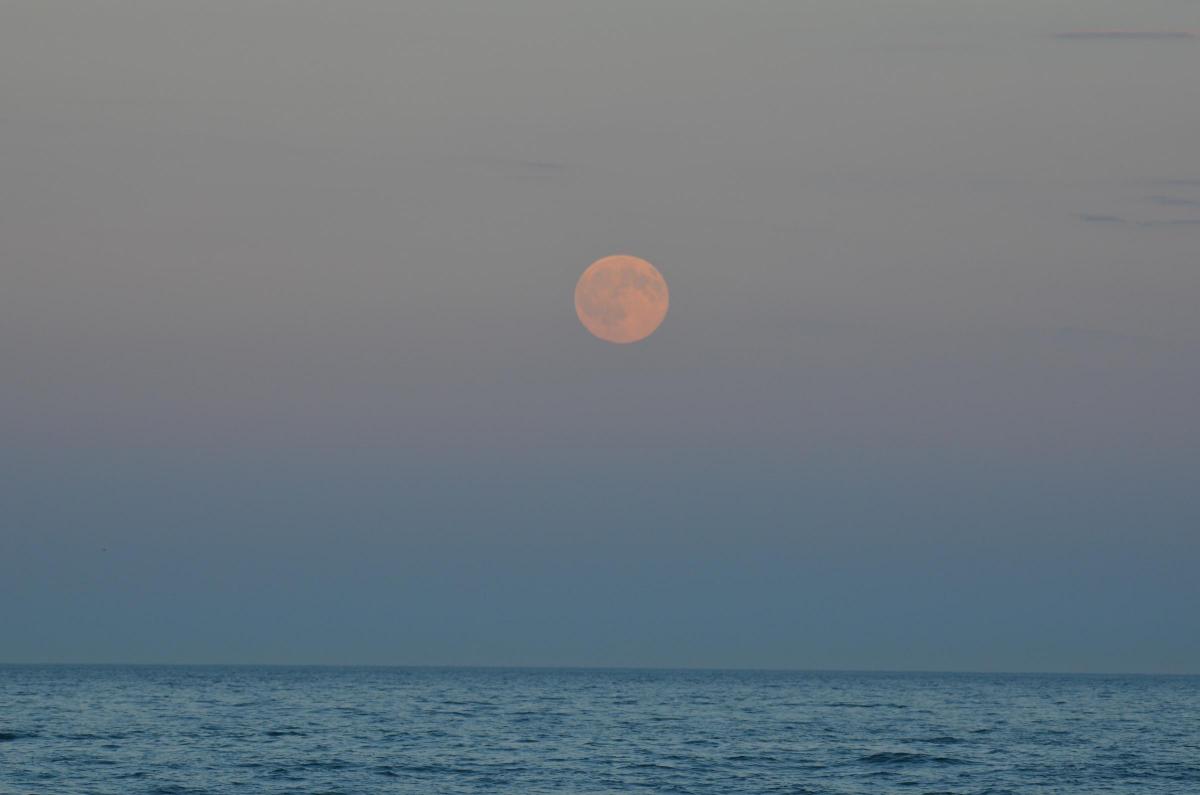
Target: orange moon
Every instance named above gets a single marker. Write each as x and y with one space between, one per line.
621 299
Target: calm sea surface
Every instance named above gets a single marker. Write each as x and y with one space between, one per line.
362 730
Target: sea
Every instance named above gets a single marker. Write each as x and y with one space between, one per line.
115 730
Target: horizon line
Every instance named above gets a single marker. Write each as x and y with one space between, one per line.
614 668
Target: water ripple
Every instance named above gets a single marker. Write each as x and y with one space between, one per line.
117 730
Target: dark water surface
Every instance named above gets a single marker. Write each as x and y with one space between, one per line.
359 730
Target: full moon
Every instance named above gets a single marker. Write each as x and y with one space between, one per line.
621 299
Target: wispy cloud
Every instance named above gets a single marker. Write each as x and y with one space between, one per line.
1173 201
1177 182
1115 220
1125 34
1171 222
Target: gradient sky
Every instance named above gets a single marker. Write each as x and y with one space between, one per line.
290 370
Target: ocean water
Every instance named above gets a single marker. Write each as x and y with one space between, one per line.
404 730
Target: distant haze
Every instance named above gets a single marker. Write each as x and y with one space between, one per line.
290 369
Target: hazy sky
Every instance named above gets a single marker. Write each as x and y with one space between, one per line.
290 371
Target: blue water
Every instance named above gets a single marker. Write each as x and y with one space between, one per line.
399 730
